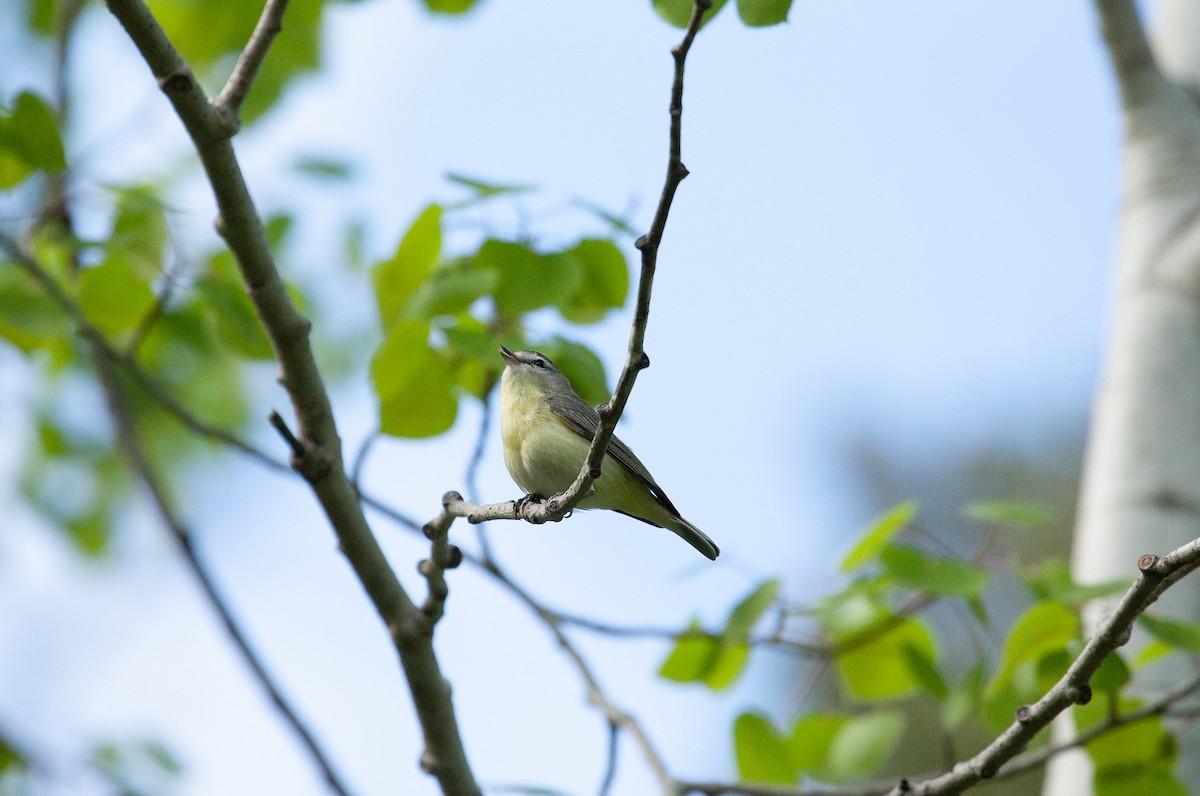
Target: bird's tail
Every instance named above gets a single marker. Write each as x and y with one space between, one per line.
694 536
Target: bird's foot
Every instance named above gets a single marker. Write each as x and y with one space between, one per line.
532 499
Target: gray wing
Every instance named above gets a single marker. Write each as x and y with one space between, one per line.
584 420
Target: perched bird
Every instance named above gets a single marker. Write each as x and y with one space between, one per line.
547 430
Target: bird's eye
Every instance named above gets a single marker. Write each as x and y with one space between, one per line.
539 363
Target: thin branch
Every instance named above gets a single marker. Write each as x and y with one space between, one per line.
288 331
1018 765
229 102
1128 49
610 768
138 461
128 365
442 556
560 505
471 476
614 715
106 358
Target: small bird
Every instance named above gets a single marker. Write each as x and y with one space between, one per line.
547 430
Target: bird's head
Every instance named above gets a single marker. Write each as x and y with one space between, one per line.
529 369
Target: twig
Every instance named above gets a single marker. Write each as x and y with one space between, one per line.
471 476
130 366
442 556
127 436
560 505
288 331
610 768
229 102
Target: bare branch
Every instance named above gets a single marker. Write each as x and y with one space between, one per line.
443 556
288 332
561 504
229 102
1128 50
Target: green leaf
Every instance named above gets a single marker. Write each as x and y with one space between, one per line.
1044 628
876 667
762 13
1151 652
486 190
963 700
762 754
878 534
140 231
414 385
1052 580
604 285
863 744
324 168
924 671
398 278
528 280
1174 632
231 311
915 570
449 291
113 297
746 613
728 663
614 221
582 368
679 12
29 319
30 132
1113 674
450 6
692 658
810 741
1009 512
1133 759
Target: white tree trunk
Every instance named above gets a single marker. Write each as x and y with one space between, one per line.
1141 479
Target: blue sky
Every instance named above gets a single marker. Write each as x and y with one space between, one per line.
900 218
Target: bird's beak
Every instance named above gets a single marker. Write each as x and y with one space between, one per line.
509 357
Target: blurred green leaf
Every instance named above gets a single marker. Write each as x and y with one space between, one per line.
751 608
692 657
1044 628
879 668
1133 759
528 280
140 231
727 664
450 6
485 190
762 754
916 570
1174 632
925 671
614 221
29 133
810 740
1151 652
414 385
232 313
1009 512
41 15
29 319
324 168
1051 580
863 744
679 12
398 278
878 534
449 290
604 284
1113 674
113 297
963 700
762 13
